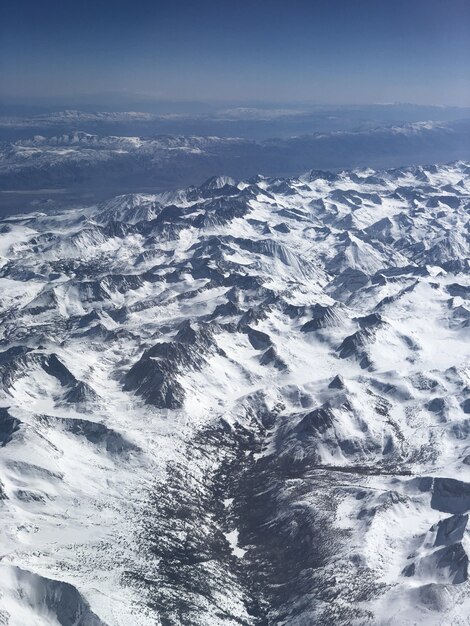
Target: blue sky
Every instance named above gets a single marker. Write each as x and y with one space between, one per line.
319 51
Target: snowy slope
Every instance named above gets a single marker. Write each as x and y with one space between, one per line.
240 403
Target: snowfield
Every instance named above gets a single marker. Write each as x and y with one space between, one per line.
241 403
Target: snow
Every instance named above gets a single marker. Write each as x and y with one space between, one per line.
232 538
83 479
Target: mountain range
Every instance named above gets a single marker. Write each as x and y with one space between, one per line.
244 402
79 167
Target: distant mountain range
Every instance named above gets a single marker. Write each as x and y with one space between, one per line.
105 165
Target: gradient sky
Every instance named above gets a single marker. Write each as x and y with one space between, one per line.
320 51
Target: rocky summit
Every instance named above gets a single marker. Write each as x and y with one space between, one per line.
244 403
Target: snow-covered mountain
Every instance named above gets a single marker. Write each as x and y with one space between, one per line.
90 161
239 403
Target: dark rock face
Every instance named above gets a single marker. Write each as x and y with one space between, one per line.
316 422
9 355
450 562
99 435
155 375
451 530
450 495
436 405
18 362
323 317
282 228
337 383
8 426
259 340
355 344
373 320
81 392
270 357
54 367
